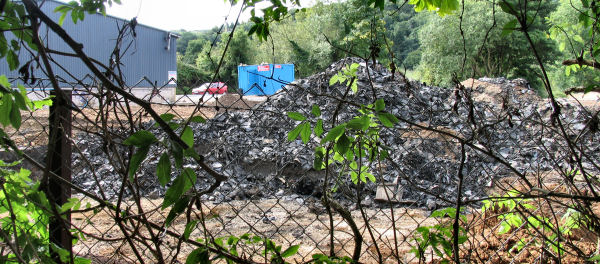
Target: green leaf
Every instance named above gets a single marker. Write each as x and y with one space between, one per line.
177 209
319 156
509 27
188 136
4 81
342 144
198 119
379 105
20 100
167 117
198 256
305 133
177 153
595 258
334 133
387 119
13 60
140 138
370 176
79 260
296 116
360 123
333 80
15 116
507 8
316 111
292 135
5 110
562 46
61 19
319 128
290 251
163 169
180 185
189 228
39 104
137 159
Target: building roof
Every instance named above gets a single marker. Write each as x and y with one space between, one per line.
125 20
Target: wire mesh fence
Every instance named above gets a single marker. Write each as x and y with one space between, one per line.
354 164
488 138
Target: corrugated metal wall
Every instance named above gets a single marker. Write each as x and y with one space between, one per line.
147 57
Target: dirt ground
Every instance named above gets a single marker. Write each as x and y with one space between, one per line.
286 222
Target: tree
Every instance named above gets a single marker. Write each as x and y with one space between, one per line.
238 52
490 50
402 24
573 39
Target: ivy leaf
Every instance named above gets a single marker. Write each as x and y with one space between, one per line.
140 138
290 251
163 169
296 116
334 133
305 132
137 159
316 111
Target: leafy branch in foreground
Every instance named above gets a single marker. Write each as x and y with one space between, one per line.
234 247
439 237
521 213
353 142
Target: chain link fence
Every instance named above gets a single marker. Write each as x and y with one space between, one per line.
484 172
484 138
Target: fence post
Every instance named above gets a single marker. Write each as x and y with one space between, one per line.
60 164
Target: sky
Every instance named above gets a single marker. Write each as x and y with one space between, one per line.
178 14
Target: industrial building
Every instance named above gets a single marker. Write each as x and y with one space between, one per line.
149 61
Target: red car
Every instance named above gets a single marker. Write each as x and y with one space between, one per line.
211 88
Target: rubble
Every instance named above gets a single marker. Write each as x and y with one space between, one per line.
504 117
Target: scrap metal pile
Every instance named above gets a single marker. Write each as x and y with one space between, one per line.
504 118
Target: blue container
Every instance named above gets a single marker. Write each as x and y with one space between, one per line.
264 79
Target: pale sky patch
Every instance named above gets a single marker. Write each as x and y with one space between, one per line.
177 14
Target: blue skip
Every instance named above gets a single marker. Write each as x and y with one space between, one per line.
264 79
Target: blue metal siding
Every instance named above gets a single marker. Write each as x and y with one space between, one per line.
264 79
146 57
